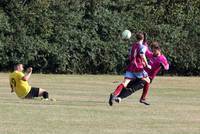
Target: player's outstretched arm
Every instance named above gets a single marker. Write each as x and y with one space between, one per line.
145 60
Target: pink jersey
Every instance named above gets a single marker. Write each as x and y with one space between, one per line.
136 61
156 62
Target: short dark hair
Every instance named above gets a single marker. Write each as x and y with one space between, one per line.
139 36
16 64
155 45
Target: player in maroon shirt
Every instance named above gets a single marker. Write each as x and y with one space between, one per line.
135 69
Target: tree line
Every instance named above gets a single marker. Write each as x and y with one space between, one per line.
84 36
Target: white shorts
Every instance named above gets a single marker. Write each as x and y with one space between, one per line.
132 75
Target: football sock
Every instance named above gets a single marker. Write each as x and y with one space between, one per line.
45 95
118 90
145 91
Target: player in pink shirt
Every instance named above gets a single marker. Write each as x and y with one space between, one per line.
135 69
157 61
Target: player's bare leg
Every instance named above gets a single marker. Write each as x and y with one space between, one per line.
43 93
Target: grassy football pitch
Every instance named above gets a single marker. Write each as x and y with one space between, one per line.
81 107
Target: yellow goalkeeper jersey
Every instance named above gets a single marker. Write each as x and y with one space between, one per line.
21 87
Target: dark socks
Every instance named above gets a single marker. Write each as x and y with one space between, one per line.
45 95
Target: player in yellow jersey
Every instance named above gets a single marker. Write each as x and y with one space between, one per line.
19 84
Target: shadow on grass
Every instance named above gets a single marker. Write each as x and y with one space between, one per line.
58 102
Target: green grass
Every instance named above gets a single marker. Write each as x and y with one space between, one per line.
81 107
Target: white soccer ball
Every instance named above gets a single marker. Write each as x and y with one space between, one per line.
126 34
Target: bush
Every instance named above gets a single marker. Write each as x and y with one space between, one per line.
59 36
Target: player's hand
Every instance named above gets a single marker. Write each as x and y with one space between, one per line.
29 69
149 66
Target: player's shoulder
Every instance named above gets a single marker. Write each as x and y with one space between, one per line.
13 73
162 56
143 47
18 74
134 44
146 43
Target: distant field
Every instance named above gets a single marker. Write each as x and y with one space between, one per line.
81 107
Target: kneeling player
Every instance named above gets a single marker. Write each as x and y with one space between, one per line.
157 60
19 84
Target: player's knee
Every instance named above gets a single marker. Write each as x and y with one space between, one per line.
45 95
147 79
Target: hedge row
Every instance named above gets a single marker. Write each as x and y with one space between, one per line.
83 36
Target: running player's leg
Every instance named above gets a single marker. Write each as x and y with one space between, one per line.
127 79
121 86
140 79
132 87
124 93
113 96
144 94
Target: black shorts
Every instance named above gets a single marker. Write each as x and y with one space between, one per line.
34 92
